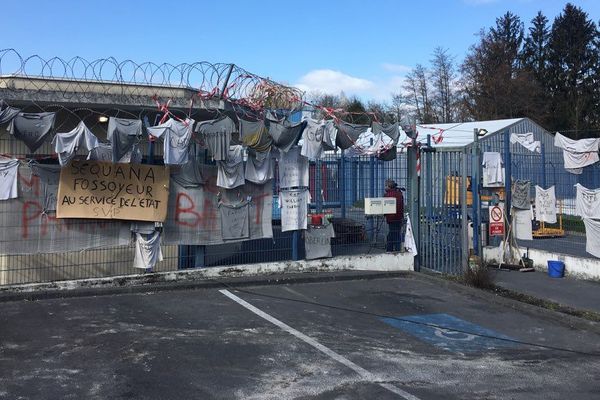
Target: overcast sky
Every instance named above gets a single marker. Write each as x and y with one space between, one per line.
360 47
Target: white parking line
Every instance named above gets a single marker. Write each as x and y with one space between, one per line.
307 339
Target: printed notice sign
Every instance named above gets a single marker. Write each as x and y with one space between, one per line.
496 220
94 189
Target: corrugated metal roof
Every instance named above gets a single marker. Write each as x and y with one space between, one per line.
461 133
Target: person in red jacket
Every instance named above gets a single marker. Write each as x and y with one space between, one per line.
395 221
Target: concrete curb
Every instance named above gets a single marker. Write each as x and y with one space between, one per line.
530 309
149 285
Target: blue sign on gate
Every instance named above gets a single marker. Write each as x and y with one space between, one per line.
450 333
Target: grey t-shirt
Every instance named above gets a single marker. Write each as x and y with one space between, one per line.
32 128
235 220
312 139
103 152
521 197
259 167
285 134
293 169
348 134
176 136
67 144
123 135
254 135
329 135
230 173
317 241
49 176
390 130
8 113
217 135
189 175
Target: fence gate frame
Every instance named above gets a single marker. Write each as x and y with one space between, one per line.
438 185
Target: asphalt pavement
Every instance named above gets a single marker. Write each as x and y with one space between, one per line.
392 338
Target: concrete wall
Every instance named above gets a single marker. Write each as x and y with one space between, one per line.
576 267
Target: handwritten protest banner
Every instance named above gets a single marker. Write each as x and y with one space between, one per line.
102 190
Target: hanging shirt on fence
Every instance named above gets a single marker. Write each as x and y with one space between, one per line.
312 139
522 224
230 173
217 135
577 153
235 220
147 250
189 175
492 168
293 169
67 144
409 239
8 113
521 197
348 134
545 204
144 227
390 130
587 202
259 167
592 236
176 135
9 168
526 140
123 135
294 209
329 135
317 241
49 176
285 134
32 128
254 135
103 152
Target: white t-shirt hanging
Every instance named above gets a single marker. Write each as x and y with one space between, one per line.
176 135
230 173
587 203
312 139
526 140
294 209
293 169
522 224
67 144
492 168
577 153
9 168
592 236
147 250
545 204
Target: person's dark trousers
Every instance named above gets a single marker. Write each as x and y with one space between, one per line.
394 236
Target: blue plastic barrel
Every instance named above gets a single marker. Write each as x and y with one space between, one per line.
556 269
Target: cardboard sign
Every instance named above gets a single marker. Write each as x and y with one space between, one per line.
102 190
496 220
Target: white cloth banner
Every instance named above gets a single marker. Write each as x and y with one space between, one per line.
526 140
577 153
592 236
409 239
294 209
522 224
147 251
587 203
545 204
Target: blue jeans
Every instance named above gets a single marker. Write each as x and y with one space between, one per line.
394 236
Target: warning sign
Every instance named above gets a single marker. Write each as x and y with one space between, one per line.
496 220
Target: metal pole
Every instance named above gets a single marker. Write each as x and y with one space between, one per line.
542 149
475 190
224 87
427 169
463 203
318 186
370 225
343 183
508 175
413 198
295 245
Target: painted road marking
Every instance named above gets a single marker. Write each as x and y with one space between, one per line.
366 375
449 339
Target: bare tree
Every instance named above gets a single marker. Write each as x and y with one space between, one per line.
443 78
417 94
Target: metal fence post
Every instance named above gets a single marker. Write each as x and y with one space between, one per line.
370 224
475 177
508 175
543 166
342 172
318 186
464 213
413 198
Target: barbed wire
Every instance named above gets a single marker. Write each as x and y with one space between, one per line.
78 77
